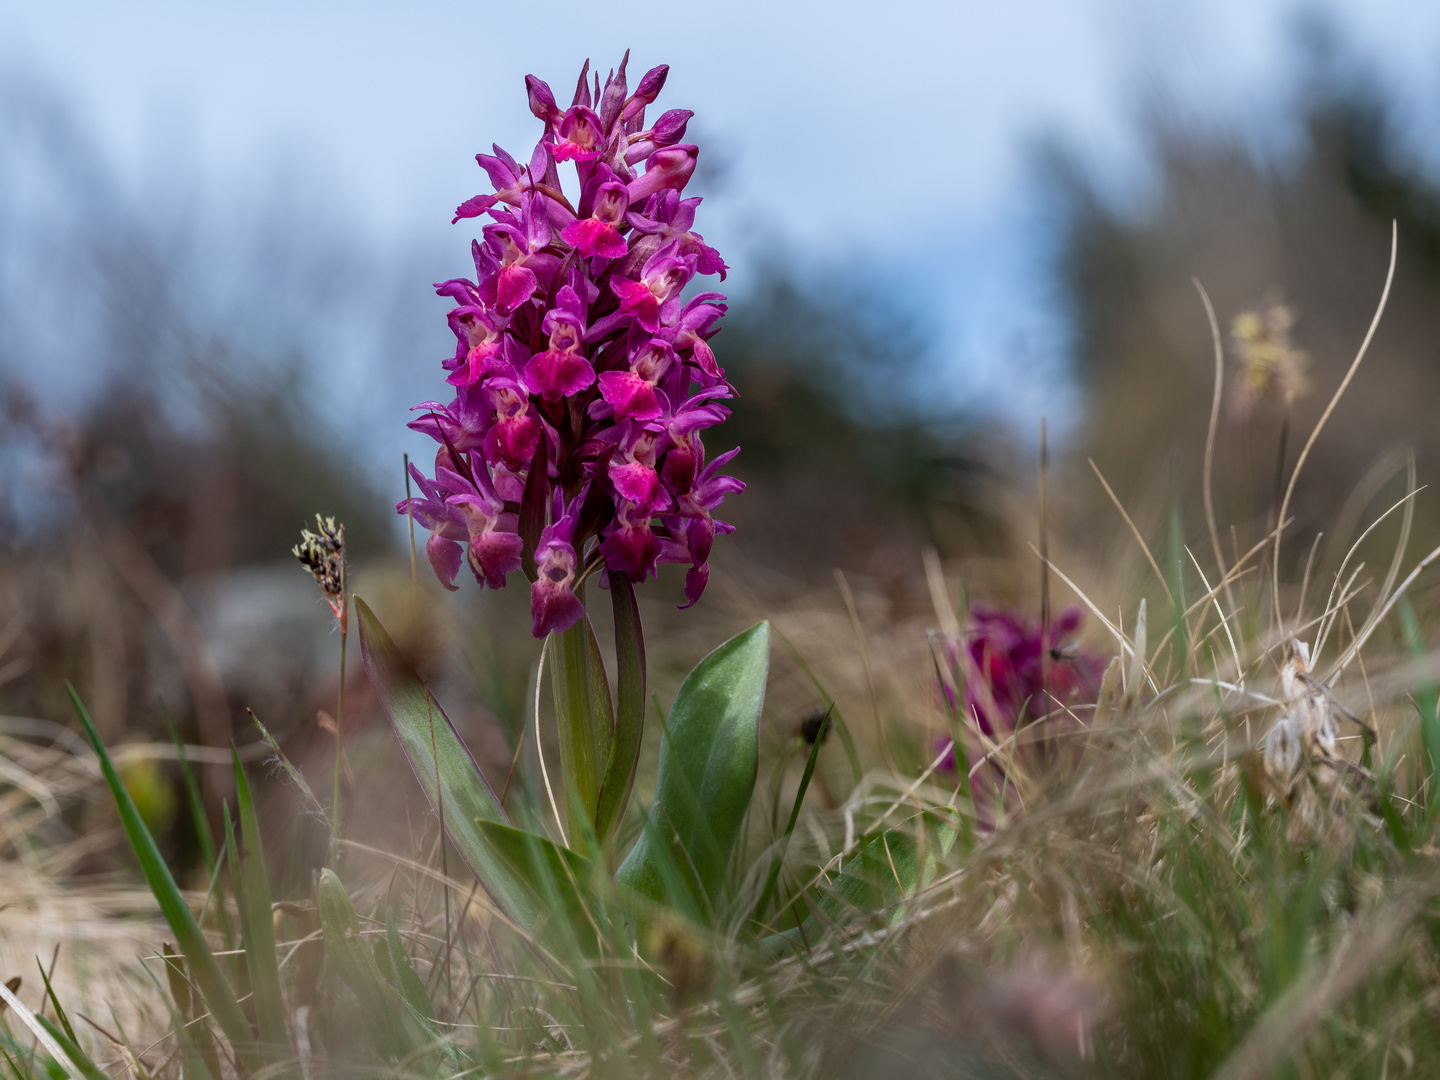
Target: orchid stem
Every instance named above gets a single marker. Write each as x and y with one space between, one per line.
1045 643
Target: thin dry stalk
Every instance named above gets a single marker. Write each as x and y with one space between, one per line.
1369 627
1325 630
1136 532
1224 621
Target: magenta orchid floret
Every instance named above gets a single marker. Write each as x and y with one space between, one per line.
583 377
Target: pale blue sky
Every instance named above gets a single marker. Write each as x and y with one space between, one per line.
889 137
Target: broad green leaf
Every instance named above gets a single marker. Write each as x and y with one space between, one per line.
355 964
444 766
210 980
709 754
259 924
556 878
586 720
619 778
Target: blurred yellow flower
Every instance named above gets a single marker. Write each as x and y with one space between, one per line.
1271 368
152 791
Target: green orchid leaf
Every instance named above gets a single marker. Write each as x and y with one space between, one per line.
709 755
619 778
444 766
558 880
586 720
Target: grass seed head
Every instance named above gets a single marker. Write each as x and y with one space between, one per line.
323 554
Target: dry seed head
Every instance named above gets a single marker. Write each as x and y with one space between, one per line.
323 554
1301 755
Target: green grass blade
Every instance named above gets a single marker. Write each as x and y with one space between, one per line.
41 1031
841 727
882 873
239 965
15 1069
709 756
1180 643
417 718
197 1045
198 816
55 1001
1427 699
259 922
774 875
78 1057
175 976
207 974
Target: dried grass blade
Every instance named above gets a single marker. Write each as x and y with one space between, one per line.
1144 547
1325 632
